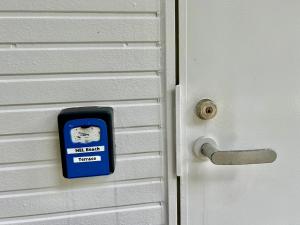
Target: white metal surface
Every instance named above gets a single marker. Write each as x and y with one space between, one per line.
245 56
57 54
179 127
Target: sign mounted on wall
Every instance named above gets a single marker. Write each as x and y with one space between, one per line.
86 141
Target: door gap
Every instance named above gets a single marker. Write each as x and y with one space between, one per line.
178 202
177 83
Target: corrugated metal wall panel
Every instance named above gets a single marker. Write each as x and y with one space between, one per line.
72 89
80 5
48 174
103 196
78 59
56 54
137 215
42 147
64 29
41 119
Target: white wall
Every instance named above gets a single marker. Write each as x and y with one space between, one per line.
62 53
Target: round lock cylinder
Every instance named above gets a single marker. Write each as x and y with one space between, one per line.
206 109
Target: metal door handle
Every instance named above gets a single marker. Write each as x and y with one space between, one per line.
233 157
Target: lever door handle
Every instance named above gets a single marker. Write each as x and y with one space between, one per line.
208 148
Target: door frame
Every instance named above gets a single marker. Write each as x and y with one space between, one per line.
182 183
168 46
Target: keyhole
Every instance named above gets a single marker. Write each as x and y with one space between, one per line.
209 110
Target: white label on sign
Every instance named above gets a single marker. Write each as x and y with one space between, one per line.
87 159
85 149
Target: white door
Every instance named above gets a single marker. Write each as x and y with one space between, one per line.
245 56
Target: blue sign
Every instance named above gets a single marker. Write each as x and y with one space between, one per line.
86 148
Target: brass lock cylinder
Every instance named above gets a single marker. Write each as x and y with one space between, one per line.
206 109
